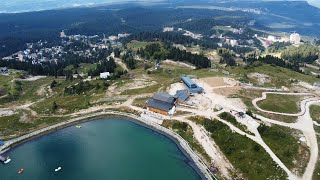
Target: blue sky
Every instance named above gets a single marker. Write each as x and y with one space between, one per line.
35 5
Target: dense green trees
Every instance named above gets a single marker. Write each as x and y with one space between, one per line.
275 61
106 65
303 54
227 57
156 51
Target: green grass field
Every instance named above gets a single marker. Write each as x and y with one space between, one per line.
281 103
285 146
315 113
135 45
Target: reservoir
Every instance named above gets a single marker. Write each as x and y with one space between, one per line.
112 148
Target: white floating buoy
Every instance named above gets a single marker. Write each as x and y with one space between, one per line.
58 169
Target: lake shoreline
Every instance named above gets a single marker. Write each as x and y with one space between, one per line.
193 160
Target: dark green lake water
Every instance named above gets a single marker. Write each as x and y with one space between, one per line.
107 149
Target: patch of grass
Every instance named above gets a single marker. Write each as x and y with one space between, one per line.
10 125
287 119
281 103
316 173
69 103
285 146
140 102
66 104
315 113
252 161
135 45
230 118
185 131
149 89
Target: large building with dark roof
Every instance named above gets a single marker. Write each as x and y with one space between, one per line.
162 103
192 86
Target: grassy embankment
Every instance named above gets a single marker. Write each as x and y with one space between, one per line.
281 103
185 131
249 158
283 142
140 102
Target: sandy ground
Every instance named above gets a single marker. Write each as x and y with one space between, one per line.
227 91
219 81
214 81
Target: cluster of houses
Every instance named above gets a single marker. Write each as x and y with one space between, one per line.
41 51
165 104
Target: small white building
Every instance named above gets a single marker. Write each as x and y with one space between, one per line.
271 38
233 42
168 29
295 38
105 75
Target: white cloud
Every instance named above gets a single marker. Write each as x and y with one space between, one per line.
314 3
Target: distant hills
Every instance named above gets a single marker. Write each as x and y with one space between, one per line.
14 6
272 16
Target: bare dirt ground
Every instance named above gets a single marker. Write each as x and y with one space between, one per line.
229 91
214 81
219 81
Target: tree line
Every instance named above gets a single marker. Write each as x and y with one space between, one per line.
156 51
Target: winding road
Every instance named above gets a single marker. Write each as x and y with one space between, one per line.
304 124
